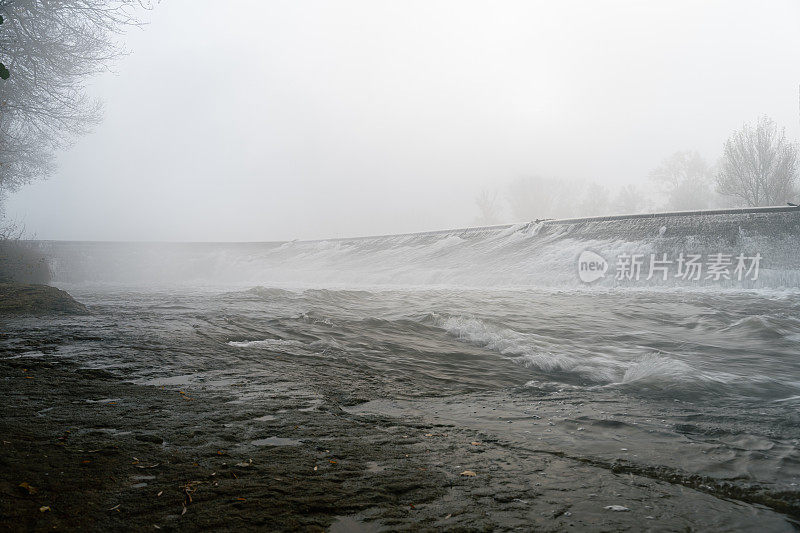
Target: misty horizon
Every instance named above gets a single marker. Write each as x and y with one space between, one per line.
324 122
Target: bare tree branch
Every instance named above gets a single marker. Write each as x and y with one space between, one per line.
50 48
759 165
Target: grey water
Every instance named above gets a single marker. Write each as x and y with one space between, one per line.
491 328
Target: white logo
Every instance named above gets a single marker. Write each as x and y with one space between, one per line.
591 266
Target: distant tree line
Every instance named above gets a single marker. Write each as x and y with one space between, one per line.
538 197
758 167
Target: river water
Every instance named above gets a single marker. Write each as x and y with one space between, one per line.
676 378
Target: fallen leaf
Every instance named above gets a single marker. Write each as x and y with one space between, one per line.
468 473
115 507
475 443
160 493
25 485
429 434
448 517
315 469
44 508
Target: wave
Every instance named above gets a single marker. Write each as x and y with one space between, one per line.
569 360
266 343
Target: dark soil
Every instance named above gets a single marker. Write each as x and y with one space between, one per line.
22 299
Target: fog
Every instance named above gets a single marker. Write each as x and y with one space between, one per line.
256 121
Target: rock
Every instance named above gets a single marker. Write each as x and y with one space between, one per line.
20 299
617 508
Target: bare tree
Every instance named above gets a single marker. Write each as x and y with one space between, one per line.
50 48
685 178
489 208
759 165
537 197
629 200
596 201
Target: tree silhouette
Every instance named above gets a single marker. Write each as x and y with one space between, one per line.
759 165
52 48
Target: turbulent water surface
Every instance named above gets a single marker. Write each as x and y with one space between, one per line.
680 380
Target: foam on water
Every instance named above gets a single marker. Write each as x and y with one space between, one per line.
266 343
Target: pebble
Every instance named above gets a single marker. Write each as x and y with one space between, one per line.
616 508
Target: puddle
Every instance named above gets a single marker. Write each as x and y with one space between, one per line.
27 355
276 441
100 431
351 524
373 467
314 405
185 379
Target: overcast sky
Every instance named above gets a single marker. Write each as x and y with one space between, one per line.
265 120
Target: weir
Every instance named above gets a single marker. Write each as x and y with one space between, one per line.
539 253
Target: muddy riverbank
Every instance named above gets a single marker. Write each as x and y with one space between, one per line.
86 449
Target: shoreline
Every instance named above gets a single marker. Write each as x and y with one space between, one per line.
104 453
